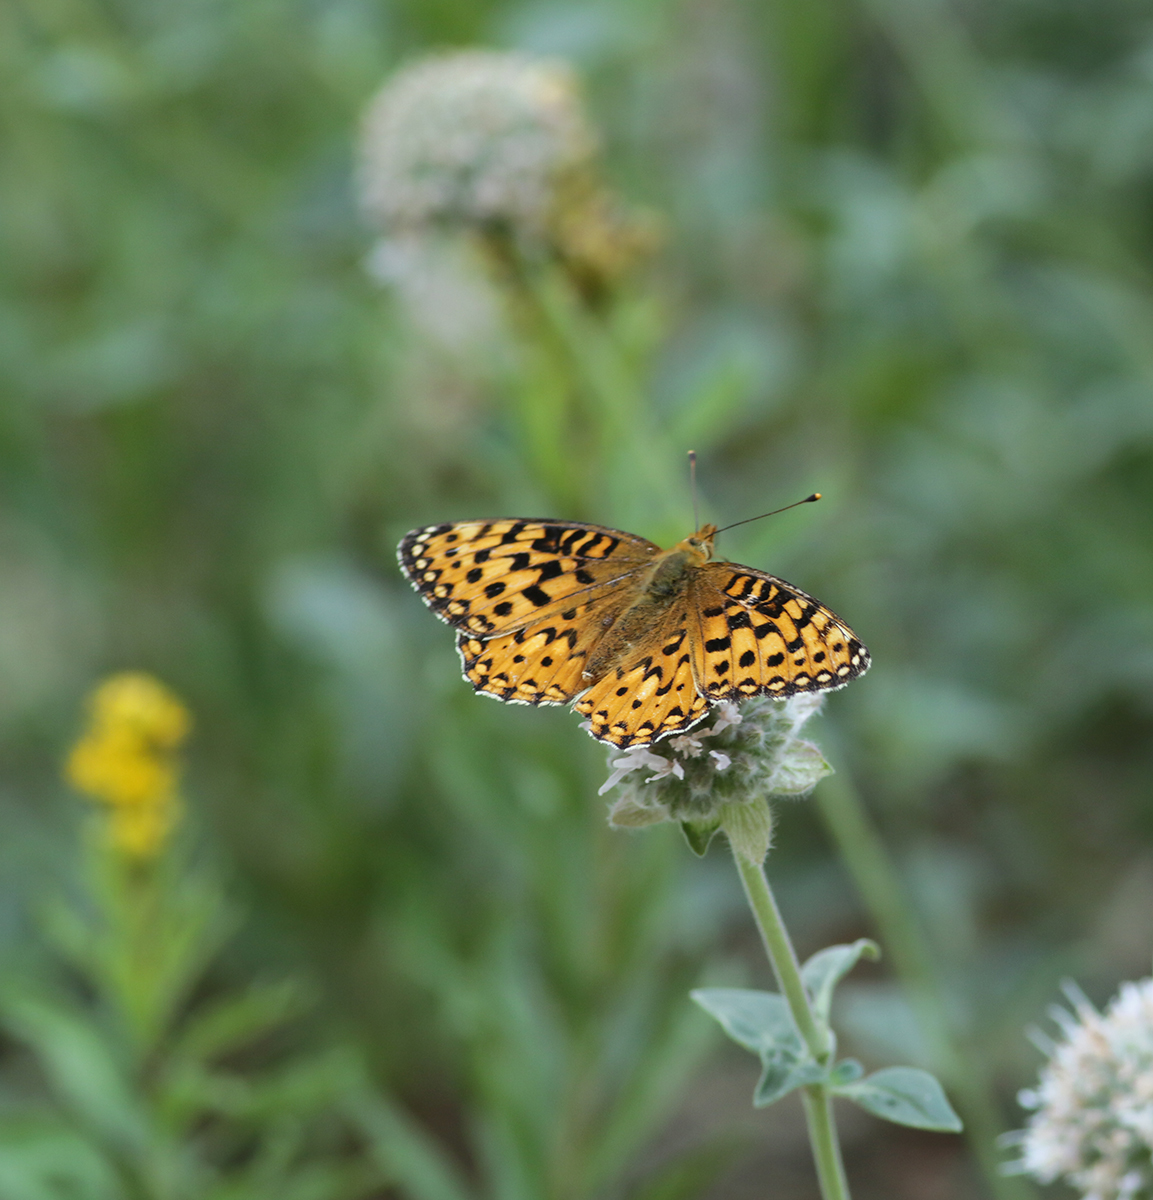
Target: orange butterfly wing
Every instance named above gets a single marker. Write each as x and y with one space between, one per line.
652 693
531 598
758 635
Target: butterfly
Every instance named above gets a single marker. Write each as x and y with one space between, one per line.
644 640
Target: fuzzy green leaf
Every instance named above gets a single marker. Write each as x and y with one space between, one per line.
785 1072
799 770
906 1096
828 967
759 1021
699 834
749 827
848 1070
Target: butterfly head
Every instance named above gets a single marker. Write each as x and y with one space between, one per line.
700 545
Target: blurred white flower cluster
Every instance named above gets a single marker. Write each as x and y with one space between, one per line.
498 146
474 138
1092 1123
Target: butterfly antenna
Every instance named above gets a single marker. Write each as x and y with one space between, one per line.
693 487
795 504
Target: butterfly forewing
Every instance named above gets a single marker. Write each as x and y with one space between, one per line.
761 636
490 577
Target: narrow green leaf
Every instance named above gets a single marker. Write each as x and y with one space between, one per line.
906 1096
81 1065
42 1159
675 1045
305 1084
828 967
237 1020
759 1021
407 1155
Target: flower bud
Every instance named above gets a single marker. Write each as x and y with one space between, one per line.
722 773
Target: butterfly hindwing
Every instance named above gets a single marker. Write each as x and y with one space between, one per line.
542 664
651 694
492 577
759 635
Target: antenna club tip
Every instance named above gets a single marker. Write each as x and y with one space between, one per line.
692 456
814 496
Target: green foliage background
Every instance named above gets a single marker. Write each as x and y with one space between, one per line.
906 263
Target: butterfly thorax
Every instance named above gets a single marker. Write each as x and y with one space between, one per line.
667 575
665 582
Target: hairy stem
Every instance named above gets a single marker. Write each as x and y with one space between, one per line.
823 1140
818 1103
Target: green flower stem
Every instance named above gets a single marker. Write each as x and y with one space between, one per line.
782 955
818 1103
876 879
609 393
823 1139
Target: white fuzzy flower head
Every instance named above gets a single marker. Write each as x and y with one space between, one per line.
473 139
1092 1124
737 755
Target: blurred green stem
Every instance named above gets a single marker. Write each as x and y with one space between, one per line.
605 393
876 878
818 1102
606 375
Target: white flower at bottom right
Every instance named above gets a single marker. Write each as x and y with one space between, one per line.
1092 1121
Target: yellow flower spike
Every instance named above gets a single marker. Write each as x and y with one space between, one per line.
138 702
118 767
125 760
